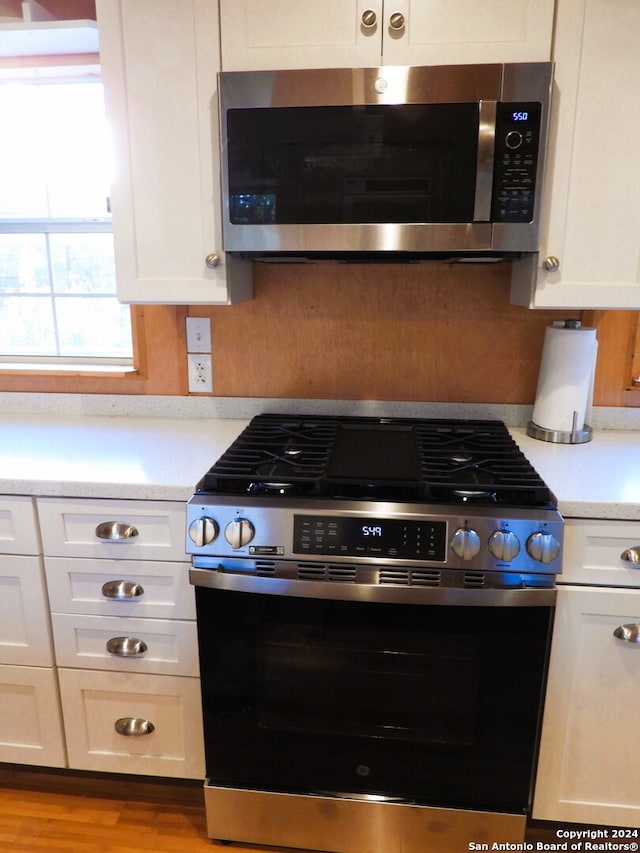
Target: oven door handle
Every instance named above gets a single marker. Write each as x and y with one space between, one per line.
215 577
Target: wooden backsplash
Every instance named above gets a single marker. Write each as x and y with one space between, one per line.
433 332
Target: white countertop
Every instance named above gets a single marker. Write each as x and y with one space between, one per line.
109 457
158 458
598 479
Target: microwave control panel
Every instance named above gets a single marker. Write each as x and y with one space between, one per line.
515 161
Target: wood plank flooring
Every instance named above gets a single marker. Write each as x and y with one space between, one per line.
44 811
64 812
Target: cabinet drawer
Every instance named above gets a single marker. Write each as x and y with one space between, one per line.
95 702
131 530
120 588
594 549
18 526
162 646
25 635
31 718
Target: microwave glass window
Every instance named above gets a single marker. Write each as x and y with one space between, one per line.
352 164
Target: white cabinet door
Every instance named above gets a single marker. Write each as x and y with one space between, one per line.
31 722
120 588
298 34
25 633
102 714
598 552
112 529
461 31
18 526
352 33
163 646
589 755
159 62
593 208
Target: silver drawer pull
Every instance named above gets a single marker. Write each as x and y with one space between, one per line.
126 647
631 555
116 531
133 726
629 633
122 590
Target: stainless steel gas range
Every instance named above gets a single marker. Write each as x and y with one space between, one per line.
374 598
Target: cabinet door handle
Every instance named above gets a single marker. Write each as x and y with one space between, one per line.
369 19
126 647
631 555
629 633
115 531
122 590
133 726
396 21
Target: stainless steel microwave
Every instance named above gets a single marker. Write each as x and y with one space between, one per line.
384 161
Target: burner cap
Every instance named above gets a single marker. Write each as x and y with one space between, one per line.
474 495
270 488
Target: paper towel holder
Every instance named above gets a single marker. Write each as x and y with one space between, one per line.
575 435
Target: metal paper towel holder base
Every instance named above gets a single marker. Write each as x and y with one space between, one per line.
576 436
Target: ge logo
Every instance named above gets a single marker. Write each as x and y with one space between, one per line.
363 770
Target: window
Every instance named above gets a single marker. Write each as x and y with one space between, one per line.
58 300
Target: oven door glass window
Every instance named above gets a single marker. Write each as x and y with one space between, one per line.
362 164
437 705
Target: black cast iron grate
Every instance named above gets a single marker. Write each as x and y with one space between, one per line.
429 460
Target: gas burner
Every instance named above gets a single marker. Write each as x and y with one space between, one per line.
474 495
271 488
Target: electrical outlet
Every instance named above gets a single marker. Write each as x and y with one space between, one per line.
200 372
198 334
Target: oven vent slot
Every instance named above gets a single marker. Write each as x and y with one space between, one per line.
322 572
396 576
425 577
265 567
408 577
474 580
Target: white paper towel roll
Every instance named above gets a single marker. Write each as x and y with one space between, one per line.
565 382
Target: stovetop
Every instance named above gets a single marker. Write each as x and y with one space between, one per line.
389 459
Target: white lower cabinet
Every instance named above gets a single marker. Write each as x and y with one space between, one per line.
132 723
30 717
31 730
124 631
590 750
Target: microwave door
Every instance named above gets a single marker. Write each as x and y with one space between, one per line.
363 178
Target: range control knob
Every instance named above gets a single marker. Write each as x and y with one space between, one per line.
239 532
465 543
504 545
203 530
543 547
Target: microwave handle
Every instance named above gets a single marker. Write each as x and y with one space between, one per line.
486 151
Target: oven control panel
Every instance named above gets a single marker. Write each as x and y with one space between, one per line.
513 540
367 537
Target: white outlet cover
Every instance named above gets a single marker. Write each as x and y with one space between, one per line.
200 373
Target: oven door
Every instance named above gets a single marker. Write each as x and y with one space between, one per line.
431 704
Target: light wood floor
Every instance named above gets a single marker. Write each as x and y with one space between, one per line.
85 813
68 812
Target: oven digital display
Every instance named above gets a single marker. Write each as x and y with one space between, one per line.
366 537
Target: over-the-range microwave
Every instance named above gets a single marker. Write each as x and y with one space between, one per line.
384 161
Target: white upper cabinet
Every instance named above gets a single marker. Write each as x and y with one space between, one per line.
159 63
592 220
272 34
